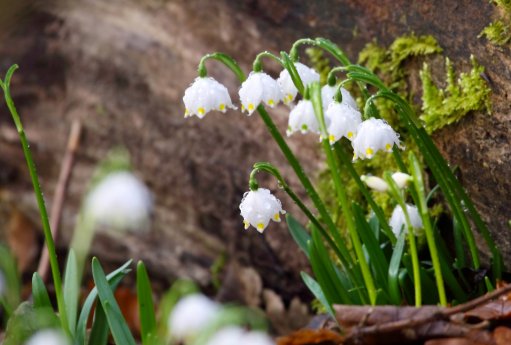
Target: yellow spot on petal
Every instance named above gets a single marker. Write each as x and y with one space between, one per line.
187 112
350 135
271 102
201 111
388 147
276 217
331 138
246 224
242 107
369 152
260 227
251 107
221 107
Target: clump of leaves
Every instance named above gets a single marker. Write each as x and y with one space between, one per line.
442 107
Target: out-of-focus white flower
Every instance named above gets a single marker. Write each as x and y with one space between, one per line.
238 336
302 119
343 121
192 314
372 136
328 93
401 179
398 221
259 87
120 201
48 337
259 207
375 183
379 184
289 90
206 94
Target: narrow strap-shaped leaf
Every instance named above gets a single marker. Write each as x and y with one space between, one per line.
71 291
99 330
316 290
299 234
118 326
145 304
114 279
39 292
395 263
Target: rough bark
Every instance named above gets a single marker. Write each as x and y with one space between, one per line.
121 67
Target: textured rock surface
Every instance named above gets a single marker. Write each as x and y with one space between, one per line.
121 67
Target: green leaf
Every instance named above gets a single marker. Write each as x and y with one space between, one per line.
8 268
118 326
99 330
114 279
145 305
71 290
299 234
316 290
395 263
39 293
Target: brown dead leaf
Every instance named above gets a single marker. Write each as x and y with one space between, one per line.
311 337
450 341
494 310
502 335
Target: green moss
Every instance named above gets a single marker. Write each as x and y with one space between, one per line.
499 31
469 92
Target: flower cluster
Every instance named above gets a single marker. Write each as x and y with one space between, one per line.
258 207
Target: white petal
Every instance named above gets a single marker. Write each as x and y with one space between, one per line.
288 88
374 135
259 207
259 87
48 337
375 183
302 119
398 220
343 121
401 179
328 93
204 95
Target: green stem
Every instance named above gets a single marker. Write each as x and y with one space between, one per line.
398 197
40 199
428 228
257 65
341 193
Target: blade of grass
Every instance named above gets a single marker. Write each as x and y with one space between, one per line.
299 234
316 290
39 293
395 264
99 330
71 291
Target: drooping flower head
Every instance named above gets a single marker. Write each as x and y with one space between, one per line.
192 314
343 121
398 220
328 93
289 90
204 95
238 336
259 87
302 118
258 207
120 201
372 136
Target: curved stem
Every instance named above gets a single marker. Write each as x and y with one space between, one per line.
226 60
57 281
257 65
341 193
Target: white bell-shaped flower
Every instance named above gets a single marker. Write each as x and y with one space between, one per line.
372 136
259 207
303 119
343 121
48 337
380 185
192 314
204 95
238 336
120 201
259 87
328 93
398 220
289 90
375 183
